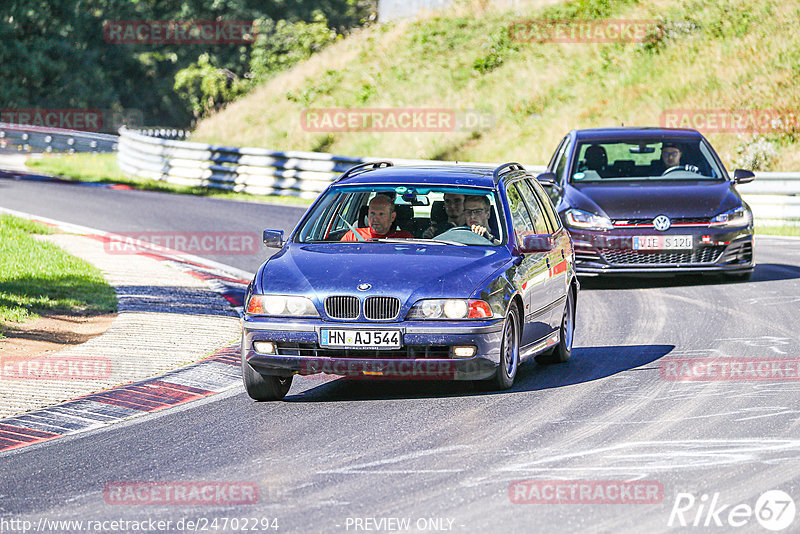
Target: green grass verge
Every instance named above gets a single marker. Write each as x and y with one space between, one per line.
103 168
38 277
777 230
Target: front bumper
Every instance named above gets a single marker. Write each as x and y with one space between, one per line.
713 250
425 353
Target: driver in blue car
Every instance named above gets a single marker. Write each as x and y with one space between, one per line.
381 216
477 209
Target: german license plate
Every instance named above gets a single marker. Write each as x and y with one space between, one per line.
360 339
662 242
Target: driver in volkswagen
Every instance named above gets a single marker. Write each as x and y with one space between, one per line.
670 157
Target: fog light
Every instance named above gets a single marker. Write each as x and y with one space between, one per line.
264 347
463 352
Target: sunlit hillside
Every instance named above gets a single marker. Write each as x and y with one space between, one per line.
721 55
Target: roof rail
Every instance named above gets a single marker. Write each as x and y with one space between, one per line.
506 168
364 166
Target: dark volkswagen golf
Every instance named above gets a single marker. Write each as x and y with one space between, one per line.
437 272
650 200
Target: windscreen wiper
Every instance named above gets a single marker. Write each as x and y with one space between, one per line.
417 241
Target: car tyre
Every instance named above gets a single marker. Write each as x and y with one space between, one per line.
509 351
264 387
561 352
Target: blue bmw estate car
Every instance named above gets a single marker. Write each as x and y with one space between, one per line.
424 272
650 200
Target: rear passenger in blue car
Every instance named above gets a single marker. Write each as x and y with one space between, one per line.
454 212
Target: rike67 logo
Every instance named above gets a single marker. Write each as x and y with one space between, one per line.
774 510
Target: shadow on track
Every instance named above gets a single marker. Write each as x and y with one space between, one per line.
763 272
181 300
585 365
766 272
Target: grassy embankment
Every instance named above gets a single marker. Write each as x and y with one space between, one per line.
725 55
37 278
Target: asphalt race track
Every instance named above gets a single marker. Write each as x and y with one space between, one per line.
357 456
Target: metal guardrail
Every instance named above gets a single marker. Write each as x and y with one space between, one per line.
165 155
249 170
774 196
35 138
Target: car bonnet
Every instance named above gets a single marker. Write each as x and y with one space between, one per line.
642 199
401 270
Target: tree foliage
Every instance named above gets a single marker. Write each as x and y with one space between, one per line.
55 55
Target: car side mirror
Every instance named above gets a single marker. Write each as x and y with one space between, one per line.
273 238
537 243
548 179
741 176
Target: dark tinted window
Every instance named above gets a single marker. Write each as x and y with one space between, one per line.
552 165
545 203
535 210
520 218
562 162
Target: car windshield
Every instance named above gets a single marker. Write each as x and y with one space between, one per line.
442 215
645 159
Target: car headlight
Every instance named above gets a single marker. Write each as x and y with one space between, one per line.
735 217
285 305
450 309
588 221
